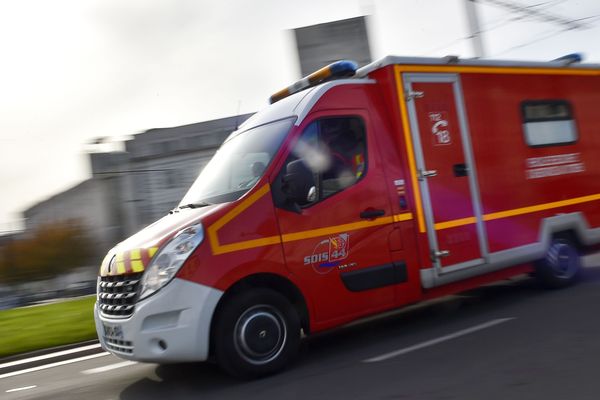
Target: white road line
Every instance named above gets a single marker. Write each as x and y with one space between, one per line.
56 364
21 388
108 367
51 355
441 339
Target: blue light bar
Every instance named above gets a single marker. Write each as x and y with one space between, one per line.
336 70
343 68
570 58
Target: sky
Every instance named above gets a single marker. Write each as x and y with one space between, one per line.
72 71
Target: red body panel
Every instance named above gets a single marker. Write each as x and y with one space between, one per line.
220 267
493 109
330 303
252 236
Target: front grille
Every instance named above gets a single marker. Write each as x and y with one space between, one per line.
117 295
120 346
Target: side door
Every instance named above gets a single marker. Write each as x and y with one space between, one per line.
336 243
446 172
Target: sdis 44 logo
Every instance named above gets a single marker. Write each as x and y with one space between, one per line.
328 253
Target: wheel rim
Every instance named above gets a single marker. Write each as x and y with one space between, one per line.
563 259
260 334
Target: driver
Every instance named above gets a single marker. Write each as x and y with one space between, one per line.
257 168
347 153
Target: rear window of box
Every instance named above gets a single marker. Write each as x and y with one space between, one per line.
548 122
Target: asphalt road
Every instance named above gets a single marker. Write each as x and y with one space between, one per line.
510 340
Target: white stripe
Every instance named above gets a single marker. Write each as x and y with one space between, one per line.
51 355
108 367
56 364
21 388
432 342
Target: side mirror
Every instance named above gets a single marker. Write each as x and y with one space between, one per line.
299 184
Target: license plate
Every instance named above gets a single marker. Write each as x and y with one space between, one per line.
113 331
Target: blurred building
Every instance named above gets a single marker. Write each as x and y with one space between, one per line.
133 188
322 44
159 167
87 205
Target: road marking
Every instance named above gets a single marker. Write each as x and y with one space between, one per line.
56 364
51 355
21 388
108 367
441 339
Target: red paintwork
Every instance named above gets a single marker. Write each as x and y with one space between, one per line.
154 237
493 113
500 152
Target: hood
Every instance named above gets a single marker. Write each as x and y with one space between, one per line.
135 253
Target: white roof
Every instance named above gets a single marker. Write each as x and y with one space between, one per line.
454 60
298 104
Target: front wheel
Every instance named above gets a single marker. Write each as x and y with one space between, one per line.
561 266
257 333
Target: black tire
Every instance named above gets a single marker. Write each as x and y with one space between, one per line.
561 266
256 333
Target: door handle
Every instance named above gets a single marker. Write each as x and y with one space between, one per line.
422 174
372 213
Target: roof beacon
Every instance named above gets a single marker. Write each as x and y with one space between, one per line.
570 59
336 70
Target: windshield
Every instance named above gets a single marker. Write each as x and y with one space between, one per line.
237 165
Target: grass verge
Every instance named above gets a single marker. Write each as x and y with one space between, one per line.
40 327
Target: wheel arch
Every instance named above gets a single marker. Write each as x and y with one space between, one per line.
573 226
275 282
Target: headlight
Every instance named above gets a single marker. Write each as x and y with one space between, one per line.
170 258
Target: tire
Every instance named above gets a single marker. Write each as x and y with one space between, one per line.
561 266
257 333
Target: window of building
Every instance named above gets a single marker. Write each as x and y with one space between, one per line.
548 122
335 150
170 178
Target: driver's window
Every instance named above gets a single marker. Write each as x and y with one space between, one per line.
334 149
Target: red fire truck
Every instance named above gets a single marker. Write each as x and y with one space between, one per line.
357 192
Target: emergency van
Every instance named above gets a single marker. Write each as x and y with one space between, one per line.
358 191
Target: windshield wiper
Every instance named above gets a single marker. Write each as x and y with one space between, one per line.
196 205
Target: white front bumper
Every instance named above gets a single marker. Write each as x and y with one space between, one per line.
173 325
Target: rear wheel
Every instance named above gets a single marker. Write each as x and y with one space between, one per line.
561 266
257 333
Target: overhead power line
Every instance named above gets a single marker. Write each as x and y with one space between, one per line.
534 11
544 36
540 38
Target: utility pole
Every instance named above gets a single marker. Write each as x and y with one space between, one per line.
474 30
525 11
